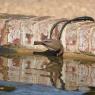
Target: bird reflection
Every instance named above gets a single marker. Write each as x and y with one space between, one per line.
54 67
47 64
91 91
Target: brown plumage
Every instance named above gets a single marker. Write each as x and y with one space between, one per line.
52 45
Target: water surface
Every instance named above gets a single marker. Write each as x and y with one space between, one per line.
65 74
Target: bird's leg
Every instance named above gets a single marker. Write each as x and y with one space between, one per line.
60 53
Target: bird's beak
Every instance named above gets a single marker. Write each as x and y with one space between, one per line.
38 43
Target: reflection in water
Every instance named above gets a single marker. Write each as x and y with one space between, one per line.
54 71
91 92
78 75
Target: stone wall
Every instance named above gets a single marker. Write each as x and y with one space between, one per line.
21 30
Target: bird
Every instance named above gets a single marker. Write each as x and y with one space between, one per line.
53 45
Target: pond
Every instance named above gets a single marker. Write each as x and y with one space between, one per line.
64 74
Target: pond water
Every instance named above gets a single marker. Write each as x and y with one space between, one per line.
65 74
